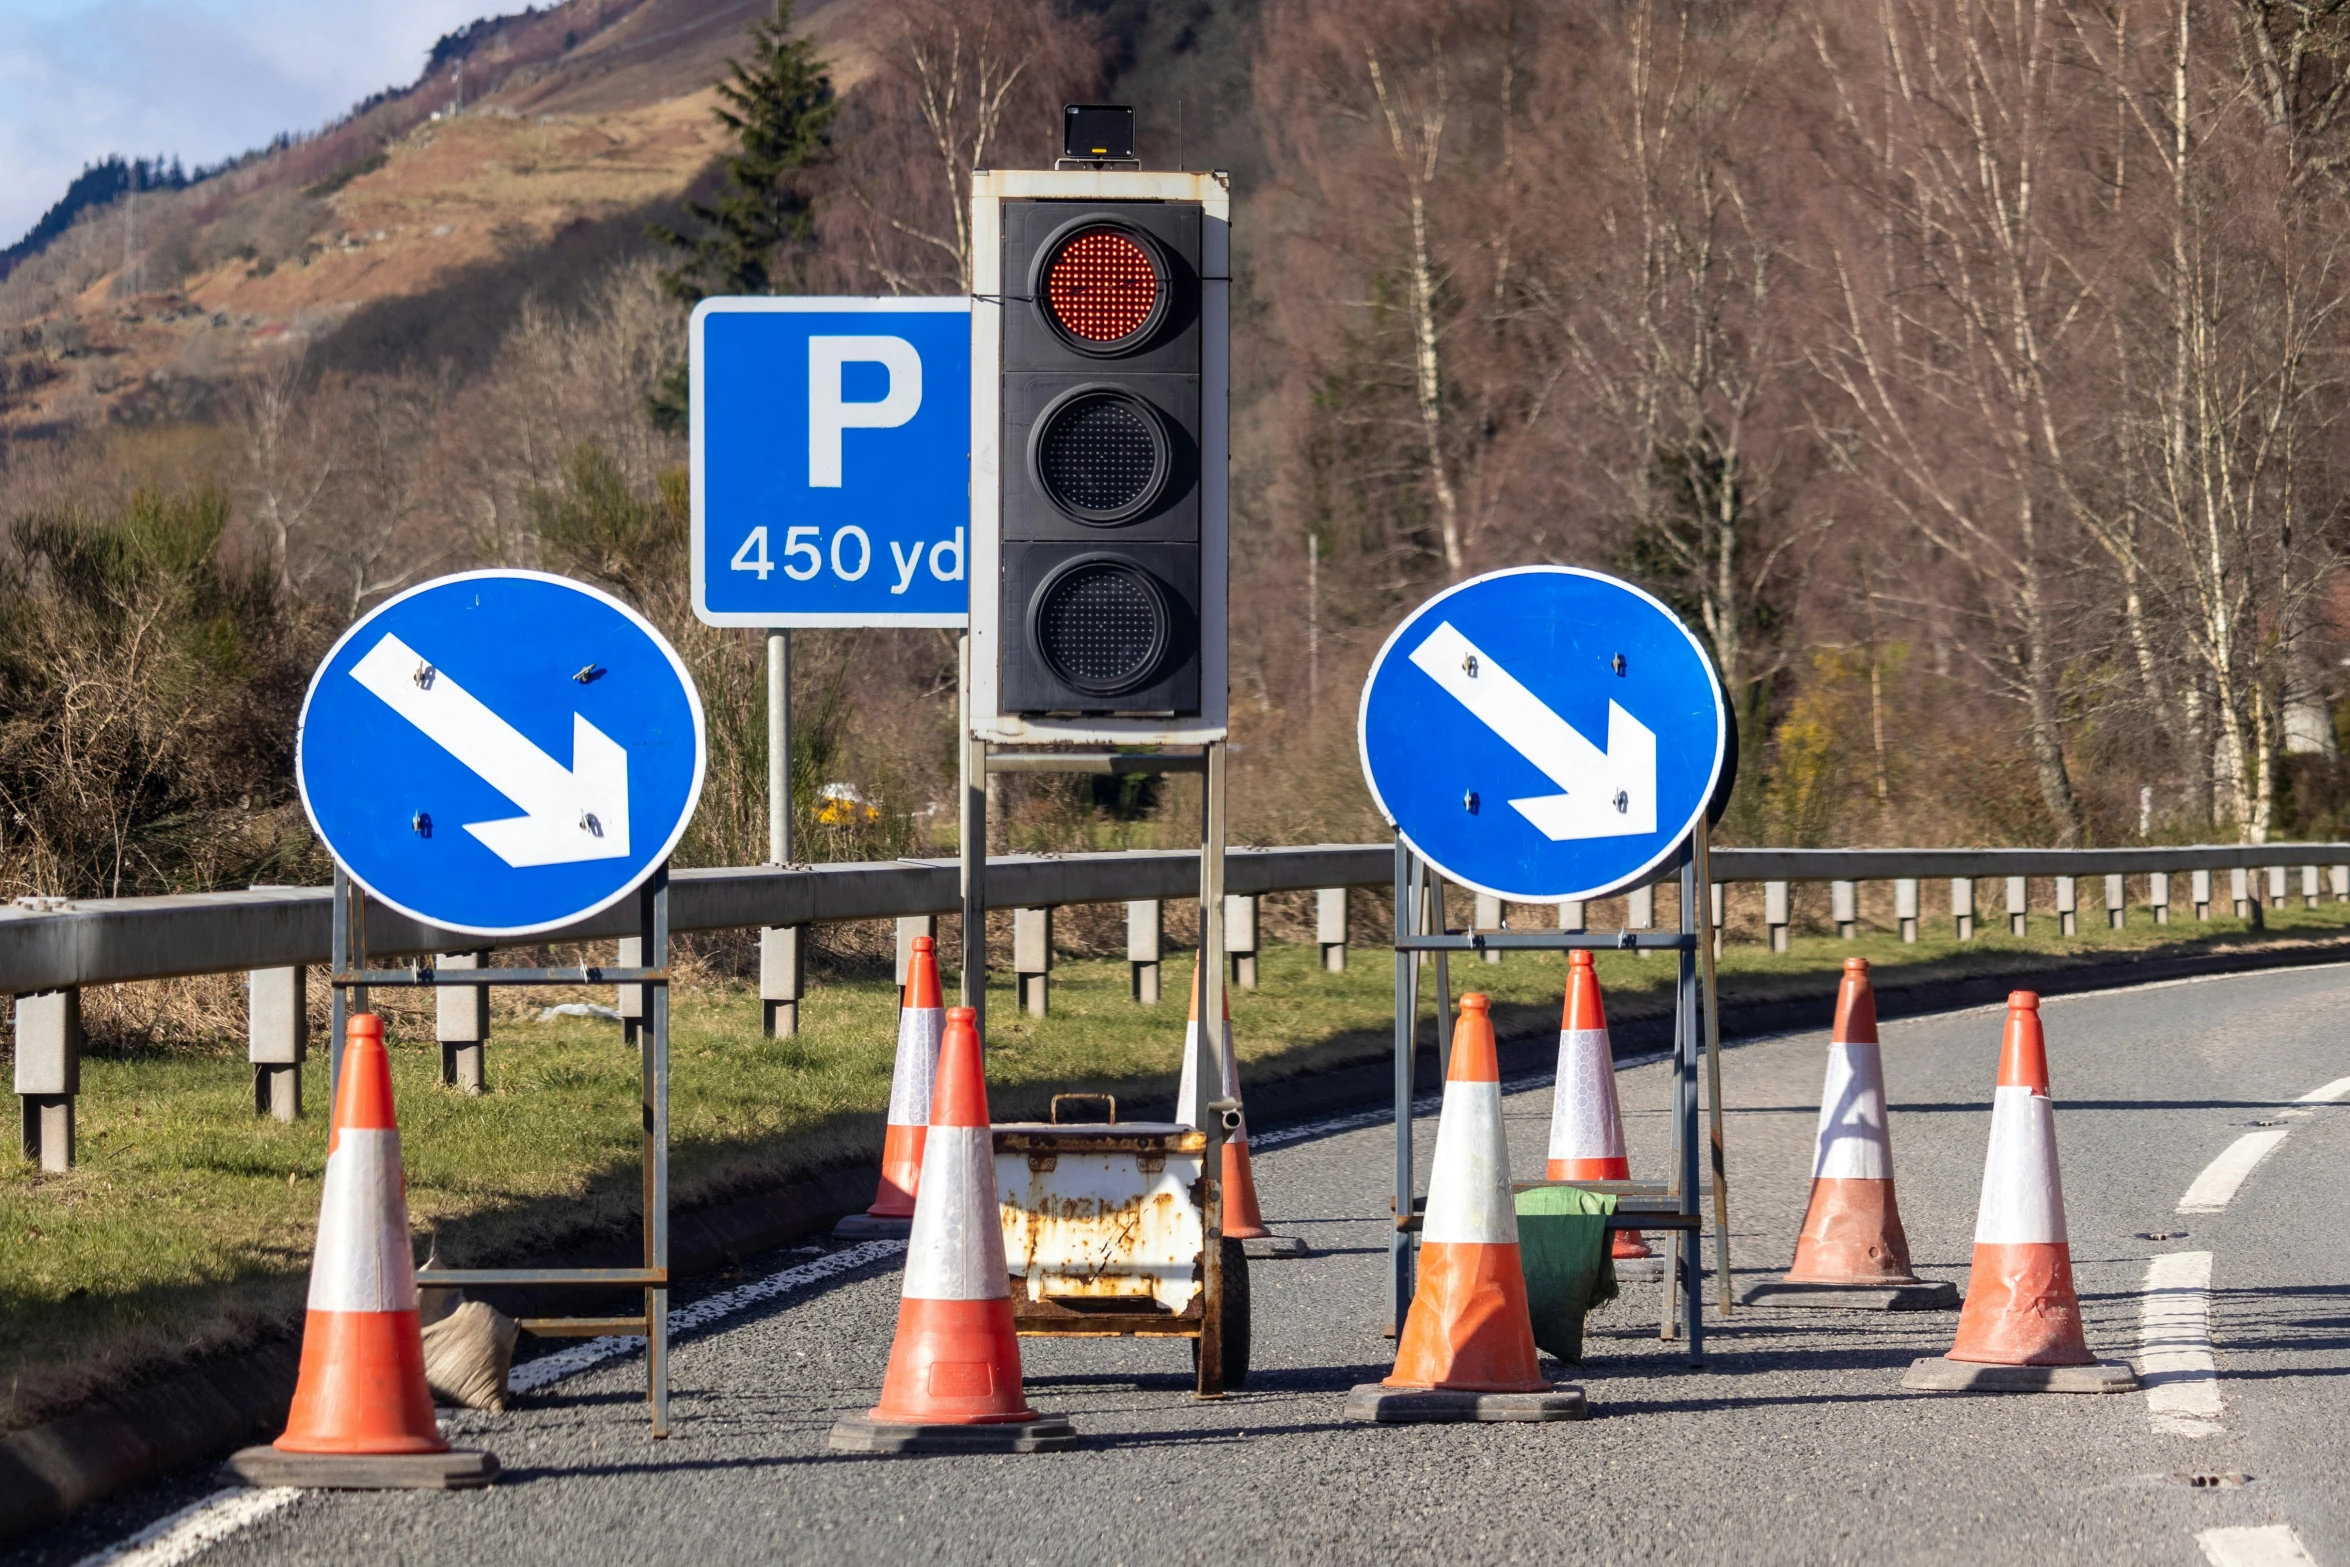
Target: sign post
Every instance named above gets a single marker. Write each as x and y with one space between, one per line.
505 753
1547 734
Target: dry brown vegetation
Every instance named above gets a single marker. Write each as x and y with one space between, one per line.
1965 372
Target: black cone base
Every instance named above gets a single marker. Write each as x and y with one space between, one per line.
456 1470
864 1434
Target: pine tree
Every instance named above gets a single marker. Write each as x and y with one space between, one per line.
779 106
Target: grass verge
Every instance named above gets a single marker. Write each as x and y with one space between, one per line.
186 1228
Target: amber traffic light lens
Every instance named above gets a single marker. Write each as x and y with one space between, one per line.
1102 286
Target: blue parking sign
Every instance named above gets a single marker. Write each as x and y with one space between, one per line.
832 461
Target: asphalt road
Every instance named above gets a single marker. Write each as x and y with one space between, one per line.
1795 1443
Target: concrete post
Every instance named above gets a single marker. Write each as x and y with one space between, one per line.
1330 921
1775 913
911 926
2116 902
1718 902
1571 916
277 1038
1240 937
1844 907
2338 877
1146 943
1032 958
629 1000
1905 906
49 1073
2019 916
2240 890
1489 919
783 978
2068 919
2309 886
1962 906
1640 910
2158 896
462 1023
2276 886
2199 893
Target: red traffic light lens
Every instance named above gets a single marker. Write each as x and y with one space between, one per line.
1102 287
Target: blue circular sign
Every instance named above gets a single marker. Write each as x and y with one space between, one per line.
501 752
1543 733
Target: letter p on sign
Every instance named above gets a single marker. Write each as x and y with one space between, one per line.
829 413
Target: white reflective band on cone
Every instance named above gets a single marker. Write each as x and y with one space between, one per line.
1852 1144
363 1262
2023 1204
1584 1122
919 1030
1187 1093
956 1250
1469 1199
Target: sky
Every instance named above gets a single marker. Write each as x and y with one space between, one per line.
200 79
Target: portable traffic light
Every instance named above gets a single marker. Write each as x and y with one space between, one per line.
1102 323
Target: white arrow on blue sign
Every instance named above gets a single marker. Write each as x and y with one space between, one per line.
501 752
1543 733
831 461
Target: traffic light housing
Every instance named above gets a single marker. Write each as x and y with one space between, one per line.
1100 329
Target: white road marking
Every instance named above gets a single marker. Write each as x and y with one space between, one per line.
194 1529
2328 1094
2268 1545
2216 1186
2175 1364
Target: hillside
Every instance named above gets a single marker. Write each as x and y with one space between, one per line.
577 121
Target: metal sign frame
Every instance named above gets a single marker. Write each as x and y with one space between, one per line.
1696 1026
351 977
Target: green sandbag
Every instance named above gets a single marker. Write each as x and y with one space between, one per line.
1563 1247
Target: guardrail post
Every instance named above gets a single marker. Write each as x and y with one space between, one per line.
629 1000
911 926
1844 907
2116 902
1240 937
783 979
1330 919
277 1038
1905 906
2309 886
2158 896
2240 890
1640 911
2199 893
1146 941
1490 918
462 1022
1718 901
1032 958
2338 877
2019 906
1962 906
49 1073
1571 915
1775 913
2276 886
2068 899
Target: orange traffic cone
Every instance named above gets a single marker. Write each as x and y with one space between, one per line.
921 1019
953 1383
1467 1349
1244 1221
362 1415
1852 1252
2020 1330
1586 1126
